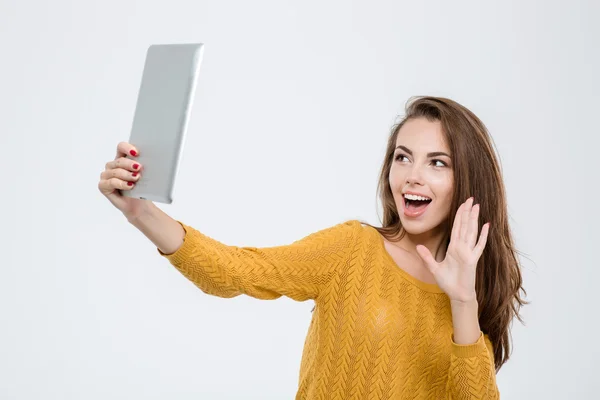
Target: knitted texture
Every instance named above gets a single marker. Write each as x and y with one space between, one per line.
376 331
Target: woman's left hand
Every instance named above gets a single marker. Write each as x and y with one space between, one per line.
455 275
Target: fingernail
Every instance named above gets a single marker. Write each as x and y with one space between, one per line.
132 152
129 183
136 166
134 174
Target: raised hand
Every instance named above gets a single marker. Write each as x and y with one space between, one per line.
455 275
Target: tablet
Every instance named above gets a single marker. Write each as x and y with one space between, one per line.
161 117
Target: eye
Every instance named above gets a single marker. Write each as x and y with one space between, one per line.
399 156
440 161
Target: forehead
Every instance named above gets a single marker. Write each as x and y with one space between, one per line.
422 135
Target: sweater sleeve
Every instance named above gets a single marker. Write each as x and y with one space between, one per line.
298 270
472 374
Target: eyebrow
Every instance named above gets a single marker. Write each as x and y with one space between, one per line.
432 154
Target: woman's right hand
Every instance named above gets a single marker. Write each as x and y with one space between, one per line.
121 174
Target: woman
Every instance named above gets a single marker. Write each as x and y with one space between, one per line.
418 308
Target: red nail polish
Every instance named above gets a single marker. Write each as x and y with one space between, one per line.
132 152
136 166
129 183
134 174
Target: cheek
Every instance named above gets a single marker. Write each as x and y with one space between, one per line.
395 179
443 187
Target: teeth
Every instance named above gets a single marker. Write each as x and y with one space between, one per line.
415 197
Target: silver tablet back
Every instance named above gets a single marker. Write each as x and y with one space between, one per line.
161 117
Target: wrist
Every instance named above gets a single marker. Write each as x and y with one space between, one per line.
467 302
465 298
166 233
144 213
465 321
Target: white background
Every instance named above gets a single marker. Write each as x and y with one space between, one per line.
293 108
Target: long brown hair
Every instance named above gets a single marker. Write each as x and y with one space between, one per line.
476 173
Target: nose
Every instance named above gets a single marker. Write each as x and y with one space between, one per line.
414 176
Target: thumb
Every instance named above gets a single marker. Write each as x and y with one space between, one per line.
425 254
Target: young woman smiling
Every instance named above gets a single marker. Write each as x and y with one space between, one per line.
418 308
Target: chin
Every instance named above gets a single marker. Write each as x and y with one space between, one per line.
427 222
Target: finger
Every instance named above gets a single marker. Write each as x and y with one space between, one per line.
108 186
455 235
473 226
464 219
125 149
428 259
124 163
120 173
482 239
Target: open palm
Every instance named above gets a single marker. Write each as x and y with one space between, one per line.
455 275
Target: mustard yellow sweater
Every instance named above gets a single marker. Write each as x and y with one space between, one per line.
376 332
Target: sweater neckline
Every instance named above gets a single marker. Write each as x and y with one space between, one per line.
428 287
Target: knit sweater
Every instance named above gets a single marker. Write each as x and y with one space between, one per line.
376 332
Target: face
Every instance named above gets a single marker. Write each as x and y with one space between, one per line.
422 165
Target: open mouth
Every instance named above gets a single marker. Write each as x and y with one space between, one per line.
414 206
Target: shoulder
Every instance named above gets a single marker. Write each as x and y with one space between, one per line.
357 229
358 225
348 230
350 225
